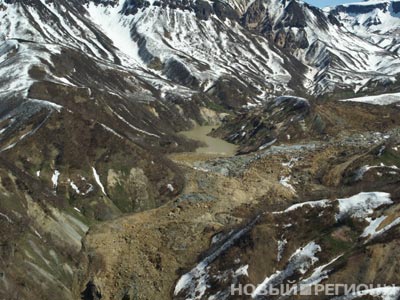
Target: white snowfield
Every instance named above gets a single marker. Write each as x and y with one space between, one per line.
384 99
362 204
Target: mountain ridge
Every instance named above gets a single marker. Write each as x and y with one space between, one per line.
289 44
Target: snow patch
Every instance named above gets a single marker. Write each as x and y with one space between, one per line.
74 187
266 145
242 271
384 99
362 205
285 181
300 261
320 203
364 169
54 178
281 249
371 230
170 187
97 178
316 277
194 283
117 27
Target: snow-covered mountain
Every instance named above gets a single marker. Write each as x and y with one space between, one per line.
237 51
335 59
377 21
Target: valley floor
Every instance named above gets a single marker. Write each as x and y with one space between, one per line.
142 256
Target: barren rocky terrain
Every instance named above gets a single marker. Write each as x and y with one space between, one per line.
145 254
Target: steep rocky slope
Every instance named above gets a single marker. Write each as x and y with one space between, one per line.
234 51
290 119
